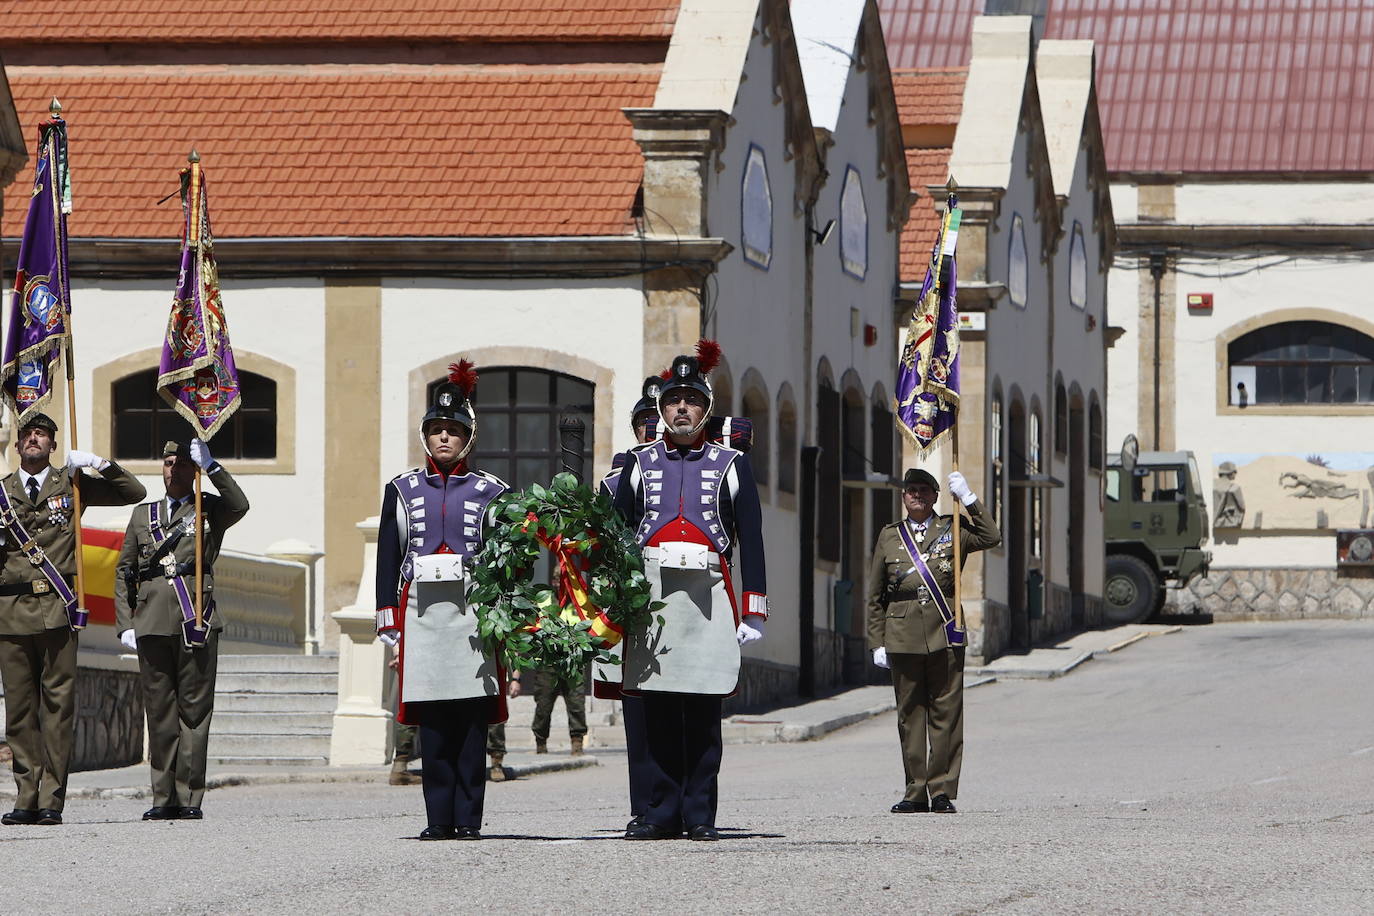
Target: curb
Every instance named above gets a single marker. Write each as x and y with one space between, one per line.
283 776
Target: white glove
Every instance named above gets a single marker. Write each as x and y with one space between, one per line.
880 657
749 630
129 640
958 488
77 460
391 636
200 454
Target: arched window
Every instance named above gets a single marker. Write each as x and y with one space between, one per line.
882 429
1302 362
1096 456
1018 263
828 436
787 446
995 463
756 408
141 422
518 411
722 392
1061 420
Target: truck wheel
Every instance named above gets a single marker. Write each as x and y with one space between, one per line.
1130 590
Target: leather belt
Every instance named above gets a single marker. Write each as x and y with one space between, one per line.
34 587
674 555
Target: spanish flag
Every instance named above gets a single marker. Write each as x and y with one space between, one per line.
100 551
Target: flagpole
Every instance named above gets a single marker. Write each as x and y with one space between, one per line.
950 188
73 441
194 160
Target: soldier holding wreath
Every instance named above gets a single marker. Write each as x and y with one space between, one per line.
434 520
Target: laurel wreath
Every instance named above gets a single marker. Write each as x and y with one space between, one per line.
540 625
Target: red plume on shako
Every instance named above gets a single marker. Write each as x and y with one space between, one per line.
464 375
708 355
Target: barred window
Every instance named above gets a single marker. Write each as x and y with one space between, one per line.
142 422
1302 362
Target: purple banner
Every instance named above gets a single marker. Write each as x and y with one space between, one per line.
927 395
41 307
197 375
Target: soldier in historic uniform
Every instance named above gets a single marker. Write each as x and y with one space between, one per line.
434 519
38 609
155 617
914 630
607 679
694 507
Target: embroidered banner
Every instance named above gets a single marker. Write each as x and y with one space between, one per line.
40 314
197 375
927 394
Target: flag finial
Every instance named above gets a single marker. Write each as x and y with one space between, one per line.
193 156
951 186
55 107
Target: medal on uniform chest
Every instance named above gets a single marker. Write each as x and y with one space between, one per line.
945 566
58 510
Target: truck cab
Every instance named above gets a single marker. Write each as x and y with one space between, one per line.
1156 530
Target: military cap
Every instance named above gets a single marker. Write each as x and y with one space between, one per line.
40 421
1226 467
177 449
915 476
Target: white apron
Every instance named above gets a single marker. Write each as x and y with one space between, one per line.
441 653
695 650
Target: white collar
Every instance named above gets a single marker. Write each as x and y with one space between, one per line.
41 477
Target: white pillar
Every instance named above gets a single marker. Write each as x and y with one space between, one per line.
362 723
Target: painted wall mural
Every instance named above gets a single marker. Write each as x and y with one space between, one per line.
1297 491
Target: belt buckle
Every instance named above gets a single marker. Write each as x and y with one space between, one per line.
41 586
922 593
33 553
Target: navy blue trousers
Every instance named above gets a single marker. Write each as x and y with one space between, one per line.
453 738
637 750
684 742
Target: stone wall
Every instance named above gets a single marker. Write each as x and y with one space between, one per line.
1275 594
109 715
763 684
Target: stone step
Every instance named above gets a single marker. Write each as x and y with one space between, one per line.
257 723
275 682
271 745
282 761
305 703
303 664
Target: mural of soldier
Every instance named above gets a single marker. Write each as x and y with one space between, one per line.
1227 498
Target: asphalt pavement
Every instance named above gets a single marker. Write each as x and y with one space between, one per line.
1223 769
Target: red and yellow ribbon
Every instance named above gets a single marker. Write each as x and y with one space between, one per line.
574 598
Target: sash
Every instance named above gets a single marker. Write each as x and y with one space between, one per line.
953 634
193 638
76 616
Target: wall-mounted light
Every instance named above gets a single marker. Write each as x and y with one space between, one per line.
822 235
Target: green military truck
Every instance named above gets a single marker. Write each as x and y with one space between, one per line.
1156 528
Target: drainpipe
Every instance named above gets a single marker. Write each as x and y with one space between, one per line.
1157 274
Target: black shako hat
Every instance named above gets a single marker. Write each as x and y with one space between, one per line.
448 403
40 421
452 399
915 476
648 401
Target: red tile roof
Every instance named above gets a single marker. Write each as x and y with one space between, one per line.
929 97
375 152
926 167
247 21
1197 85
